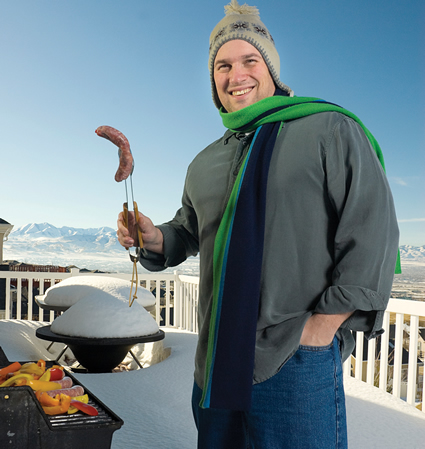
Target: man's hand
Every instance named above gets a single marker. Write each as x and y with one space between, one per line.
152 236
319 330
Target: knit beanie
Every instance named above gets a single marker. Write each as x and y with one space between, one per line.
243 22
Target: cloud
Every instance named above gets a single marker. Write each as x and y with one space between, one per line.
411 220
398 180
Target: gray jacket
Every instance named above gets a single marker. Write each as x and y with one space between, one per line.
331 234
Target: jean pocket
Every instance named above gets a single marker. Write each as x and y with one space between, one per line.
316 348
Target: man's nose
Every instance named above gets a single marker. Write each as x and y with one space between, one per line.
237 74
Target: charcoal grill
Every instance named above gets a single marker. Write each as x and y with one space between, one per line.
99 355
23 423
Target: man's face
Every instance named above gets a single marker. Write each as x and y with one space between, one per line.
241 76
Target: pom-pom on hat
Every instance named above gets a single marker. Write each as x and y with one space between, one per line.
243 22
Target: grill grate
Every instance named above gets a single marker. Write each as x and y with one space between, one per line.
81 419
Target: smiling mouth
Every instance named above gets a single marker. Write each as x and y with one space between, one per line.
237 93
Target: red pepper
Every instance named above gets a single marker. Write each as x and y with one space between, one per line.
85 408
56 374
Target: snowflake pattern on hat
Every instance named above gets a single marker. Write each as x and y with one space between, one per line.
240 26
260 30
219 34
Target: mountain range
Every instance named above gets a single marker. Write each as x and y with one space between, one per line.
98 248
92 248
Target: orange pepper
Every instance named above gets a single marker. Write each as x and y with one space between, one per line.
15 366
64 403
57 367
46 400
42 364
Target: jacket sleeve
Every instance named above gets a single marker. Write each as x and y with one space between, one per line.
180 239
366 240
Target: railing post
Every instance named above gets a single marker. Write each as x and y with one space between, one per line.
371 356
413 360
359 356
383 366
177 300
8 300
167 304
346 367
30 298
18 299
158 301
398 353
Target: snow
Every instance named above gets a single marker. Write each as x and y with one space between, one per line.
99 308
102 315
154 403
71 290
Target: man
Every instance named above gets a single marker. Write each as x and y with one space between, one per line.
294 222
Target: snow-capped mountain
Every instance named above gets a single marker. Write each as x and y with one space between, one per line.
412 253
45 236
98 248
93 248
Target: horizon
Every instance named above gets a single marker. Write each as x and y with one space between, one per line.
72 67
15 228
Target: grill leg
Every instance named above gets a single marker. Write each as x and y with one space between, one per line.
135 358
62 353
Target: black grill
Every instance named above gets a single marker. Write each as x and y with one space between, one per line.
23 424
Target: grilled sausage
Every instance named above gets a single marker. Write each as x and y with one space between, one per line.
66 382
74 391
126 158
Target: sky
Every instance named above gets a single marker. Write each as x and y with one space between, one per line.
142 67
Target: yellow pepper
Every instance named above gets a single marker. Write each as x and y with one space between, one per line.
43 385
13 379
45 377
31 368
84 399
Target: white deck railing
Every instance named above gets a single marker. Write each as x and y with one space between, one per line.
177 306
173 292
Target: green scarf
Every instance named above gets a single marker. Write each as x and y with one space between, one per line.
282 109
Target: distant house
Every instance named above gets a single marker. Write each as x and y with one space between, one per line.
421 343
5 229
13 265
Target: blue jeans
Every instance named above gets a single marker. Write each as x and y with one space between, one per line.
301 407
